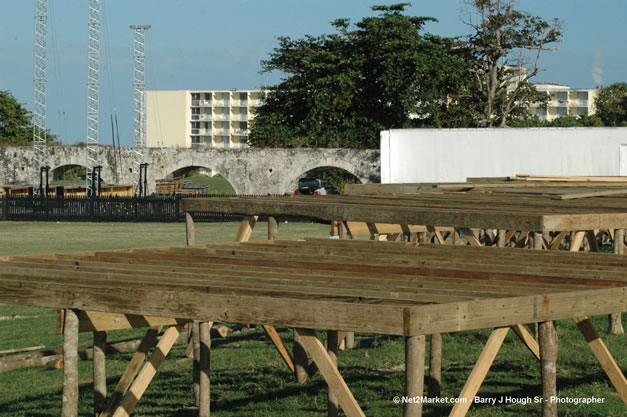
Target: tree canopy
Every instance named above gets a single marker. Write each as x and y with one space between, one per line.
16 127
611 105
504 54
15 122
342 89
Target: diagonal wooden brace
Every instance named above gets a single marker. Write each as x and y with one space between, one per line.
604 356
329 371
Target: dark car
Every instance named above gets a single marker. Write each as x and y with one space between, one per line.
314 186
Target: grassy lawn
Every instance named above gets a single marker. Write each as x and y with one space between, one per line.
248 376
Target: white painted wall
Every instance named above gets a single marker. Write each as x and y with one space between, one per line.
452 155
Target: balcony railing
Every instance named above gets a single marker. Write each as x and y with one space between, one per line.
239 103
240 132
239 117
222 103
201 132
202 117
223 117
579 103
221 132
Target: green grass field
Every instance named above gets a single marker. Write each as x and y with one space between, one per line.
249 378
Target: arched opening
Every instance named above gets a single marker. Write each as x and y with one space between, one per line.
68 175
199 177
335 176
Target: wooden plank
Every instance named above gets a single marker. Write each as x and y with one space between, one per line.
479 371
146 375
414 374
280 346
329 371
69 407
317 313
528 339
576 239
95 321
246 229
131 370
572 196
604 356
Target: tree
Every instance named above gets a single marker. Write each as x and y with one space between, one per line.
15 122
342 89
504 54
611 105
16 127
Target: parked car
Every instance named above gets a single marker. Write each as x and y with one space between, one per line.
315 186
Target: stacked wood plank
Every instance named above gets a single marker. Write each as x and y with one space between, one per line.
530 212
427 289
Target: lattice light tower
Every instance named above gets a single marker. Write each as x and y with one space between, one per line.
93 95
139 100
40 80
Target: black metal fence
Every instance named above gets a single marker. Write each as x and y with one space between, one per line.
102 209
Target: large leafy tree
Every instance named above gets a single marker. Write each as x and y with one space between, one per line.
16 127
342 89
611 105
504 54
15 122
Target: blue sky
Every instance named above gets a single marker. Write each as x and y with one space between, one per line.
205 44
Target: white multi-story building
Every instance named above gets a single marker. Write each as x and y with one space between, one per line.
565 101
195 119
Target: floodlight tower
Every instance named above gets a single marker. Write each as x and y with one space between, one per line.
93 95
40 80
139 103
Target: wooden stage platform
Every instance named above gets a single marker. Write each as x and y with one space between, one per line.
403 289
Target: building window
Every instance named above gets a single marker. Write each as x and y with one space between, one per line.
195 110
195 96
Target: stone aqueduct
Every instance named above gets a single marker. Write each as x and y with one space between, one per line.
250 171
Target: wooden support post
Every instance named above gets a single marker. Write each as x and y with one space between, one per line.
592 240
190 232
100 372
349 340
479 371
500 240
604 356
332 344
196 361
273 228
329 371
246 229
148 372
278 344
547 338
69 407
616 322
131 370
301 363
435 365
205 361
414 374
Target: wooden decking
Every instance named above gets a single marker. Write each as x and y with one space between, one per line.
404 289
324 284
509 211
